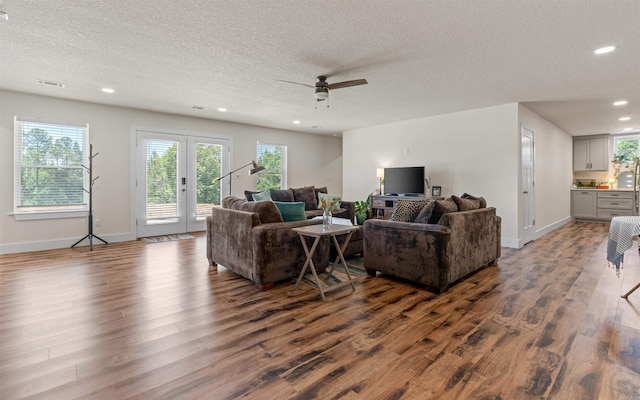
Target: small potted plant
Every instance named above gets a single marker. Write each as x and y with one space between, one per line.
362 210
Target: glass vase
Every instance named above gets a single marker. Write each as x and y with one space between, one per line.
326 219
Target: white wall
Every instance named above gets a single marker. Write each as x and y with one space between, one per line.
475 151
553 171
312 160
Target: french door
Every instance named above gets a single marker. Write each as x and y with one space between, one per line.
176 181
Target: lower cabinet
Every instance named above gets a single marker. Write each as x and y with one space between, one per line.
584 204
600 205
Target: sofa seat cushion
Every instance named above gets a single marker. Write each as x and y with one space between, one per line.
407 210
291 210
307 195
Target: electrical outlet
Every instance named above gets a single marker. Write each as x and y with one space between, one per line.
97 221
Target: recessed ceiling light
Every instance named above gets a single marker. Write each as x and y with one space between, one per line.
605 50
296 122
624 118
222 109
107 90
620 103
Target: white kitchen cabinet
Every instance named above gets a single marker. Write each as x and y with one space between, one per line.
584 204
591 154
601 205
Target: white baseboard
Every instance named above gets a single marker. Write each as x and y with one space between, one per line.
24 247
518 243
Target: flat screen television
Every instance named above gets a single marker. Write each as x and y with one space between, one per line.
408 181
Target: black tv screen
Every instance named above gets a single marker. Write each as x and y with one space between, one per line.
404 180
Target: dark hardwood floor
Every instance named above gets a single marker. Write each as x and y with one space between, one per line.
151 321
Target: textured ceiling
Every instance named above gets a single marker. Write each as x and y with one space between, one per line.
421 58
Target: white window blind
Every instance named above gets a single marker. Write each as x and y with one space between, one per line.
162 184
273 157
48 166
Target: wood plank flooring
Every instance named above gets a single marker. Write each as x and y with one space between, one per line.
152 321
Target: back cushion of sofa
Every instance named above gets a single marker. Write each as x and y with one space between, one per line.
433 211
307 195
466 204
481 200
281 194
232 202
266 210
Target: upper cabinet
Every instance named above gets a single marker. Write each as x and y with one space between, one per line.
591 154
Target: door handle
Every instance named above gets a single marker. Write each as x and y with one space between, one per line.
525 192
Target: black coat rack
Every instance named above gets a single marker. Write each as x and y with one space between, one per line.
89 169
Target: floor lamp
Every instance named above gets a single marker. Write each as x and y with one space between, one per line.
256 168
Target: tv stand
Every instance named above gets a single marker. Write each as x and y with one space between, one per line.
382 206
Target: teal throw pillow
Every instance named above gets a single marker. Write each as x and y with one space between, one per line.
291 210
260 196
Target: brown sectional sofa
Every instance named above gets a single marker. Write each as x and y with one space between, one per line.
251 239
436 254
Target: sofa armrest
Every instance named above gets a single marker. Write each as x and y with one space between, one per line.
407 250
350 212
230 236
278 252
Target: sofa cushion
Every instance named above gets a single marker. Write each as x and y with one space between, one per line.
266 210
232 202
483 202
407 210
432 212
326 200
248 194
261 196
320 190
281 194
466 204
291 210
307 195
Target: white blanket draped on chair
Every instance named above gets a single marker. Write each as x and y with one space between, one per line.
621 233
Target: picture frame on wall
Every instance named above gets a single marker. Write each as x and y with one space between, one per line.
436 191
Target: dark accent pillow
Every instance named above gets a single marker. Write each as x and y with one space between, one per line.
407 210
248 194
442 207
267 211
483 202
466 204
307 195
425 214
291 210
281 194
320 190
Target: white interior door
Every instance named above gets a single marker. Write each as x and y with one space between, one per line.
528 187
176 181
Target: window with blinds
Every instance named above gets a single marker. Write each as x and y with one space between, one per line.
48 166
273 157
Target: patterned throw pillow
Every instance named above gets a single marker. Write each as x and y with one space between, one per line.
407 210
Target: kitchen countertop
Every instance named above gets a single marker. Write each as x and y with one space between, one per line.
604 190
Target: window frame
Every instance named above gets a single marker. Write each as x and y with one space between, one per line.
260 147
19 131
